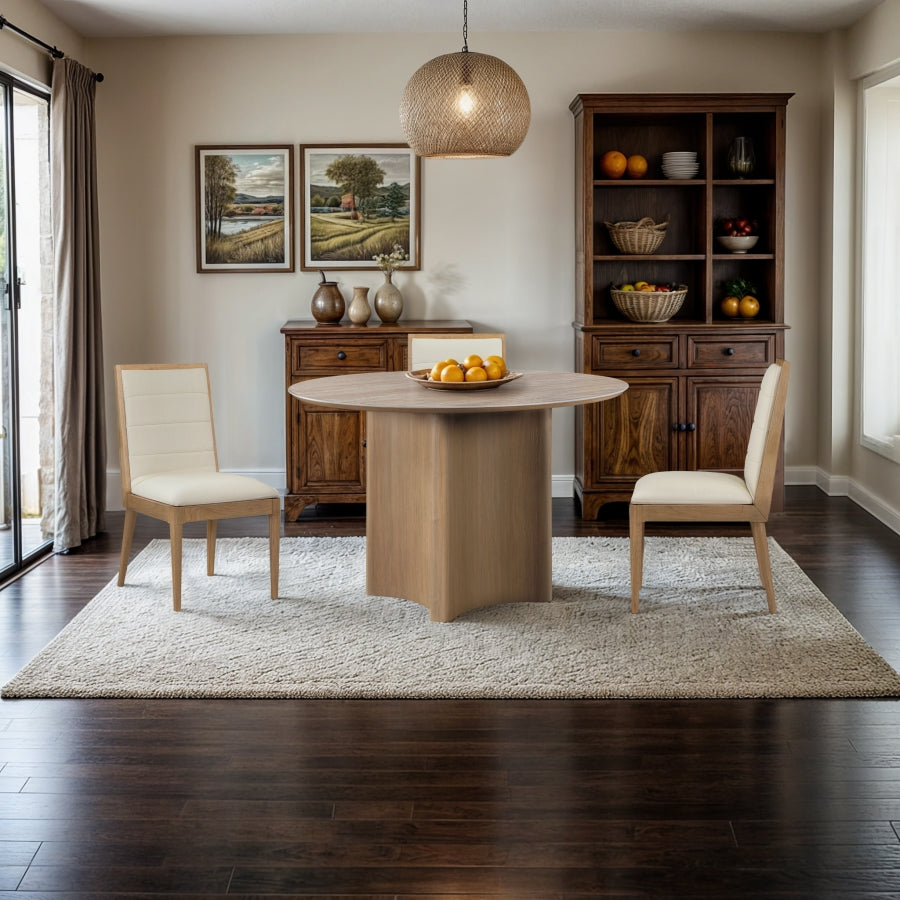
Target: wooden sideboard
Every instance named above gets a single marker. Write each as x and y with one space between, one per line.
326 448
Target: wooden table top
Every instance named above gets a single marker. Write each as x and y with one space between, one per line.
394 391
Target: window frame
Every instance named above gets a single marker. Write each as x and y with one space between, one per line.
884 445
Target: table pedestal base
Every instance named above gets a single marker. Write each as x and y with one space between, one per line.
458 508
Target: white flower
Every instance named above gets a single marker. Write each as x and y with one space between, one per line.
387 262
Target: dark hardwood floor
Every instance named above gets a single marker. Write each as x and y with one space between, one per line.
456 799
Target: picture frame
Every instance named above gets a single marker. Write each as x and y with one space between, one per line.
343 225
245 207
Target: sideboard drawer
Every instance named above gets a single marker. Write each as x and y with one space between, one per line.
755 350
337 356
659 353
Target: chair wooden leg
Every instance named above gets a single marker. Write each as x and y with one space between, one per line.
762 558
210 546
636 543
175 529
274 548
127 536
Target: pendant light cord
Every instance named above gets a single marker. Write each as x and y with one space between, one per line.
465 48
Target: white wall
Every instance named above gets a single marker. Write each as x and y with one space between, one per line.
28 60
498 235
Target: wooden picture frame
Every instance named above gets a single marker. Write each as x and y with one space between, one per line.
342 227
245 207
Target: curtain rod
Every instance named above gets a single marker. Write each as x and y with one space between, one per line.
55 52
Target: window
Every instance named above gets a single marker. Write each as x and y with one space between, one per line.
880 263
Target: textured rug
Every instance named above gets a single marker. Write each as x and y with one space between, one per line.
703 631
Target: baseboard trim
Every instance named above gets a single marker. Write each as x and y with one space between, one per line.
874 506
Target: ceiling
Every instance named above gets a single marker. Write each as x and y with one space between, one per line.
144 18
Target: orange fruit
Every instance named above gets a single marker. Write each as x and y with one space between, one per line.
636 166
731 307
436 371
450 361
613 164
452 373
493 371
749 306
471 361
476 373
499 360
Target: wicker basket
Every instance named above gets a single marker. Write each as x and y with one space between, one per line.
649 306
641 237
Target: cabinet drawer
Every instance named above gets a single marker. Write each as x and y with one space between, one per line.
635 354
338 357
755 350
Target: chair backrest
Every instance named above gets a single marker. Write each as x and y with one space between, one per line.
424 350
165 420
765 434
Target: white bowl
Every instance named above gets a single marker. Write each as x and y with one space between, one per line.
739 244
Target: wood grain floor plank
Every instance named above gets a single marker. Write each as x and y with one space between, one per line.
457 800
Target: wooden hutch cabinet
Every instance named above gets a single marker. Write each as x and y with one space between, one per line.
693 380
326 459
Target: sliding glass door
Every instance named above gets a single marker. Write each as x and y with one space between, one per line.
26 327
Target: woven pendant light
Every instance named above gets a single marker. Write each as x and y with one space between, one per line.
465 105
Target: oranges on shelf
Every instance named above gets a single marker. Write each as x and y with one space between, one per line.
636 166
613 164
472 368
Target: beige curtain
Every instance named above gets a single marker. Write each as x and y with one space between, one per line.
80 426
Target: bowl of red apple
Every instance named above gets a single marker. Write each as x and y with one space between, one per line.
738 235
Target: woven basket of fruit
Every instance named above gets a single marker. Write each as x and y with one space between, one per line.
641 237
649 306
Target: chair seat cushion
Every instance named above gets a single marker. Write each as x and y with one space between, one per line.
191 488
691 487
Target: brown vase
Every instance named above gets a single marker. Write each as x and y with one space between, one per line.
327 302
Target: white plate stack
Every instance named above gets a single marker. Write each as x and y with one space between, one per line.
680 164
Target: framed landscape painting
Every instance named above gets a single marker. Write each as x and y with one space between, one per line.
245 209
358 200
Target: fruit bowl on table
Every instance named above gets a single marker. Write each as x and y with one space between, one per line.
738 243
422 376
649 306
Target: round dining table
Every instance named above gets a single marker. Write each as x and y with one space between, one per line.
458 483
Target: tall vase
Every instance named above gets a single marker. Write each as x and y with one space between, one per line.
388 300
359 310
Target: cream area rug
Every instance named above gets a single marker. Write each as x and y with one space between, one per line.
703 631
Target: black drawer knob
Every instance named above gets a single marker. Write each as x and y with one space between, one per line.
691 426
729 351
341 354
680 426
636 351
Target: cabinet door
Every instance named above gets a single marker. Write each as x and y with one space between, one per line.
632 433
721 411
331 453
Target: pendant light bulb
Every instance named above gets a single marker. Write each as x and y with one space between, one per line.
464 105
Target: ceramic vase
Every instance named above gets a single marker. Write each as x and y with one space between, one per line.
388 300
327 303
359 310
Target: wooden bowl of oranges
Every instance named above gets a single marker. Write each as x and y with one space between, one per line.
473 373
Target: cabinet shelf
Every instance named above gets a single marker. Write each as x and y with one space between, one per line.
650 258
648 182
700 366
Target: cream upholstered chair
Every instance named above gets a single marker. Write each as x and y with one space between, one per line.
717 496
170 469
424 350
